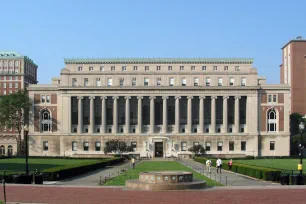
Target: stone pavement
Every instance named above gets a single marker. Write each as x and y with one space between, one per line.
101 195
93 178
226 177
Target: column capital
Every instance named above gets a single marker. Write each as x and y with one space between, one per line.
202 97
237 97
115 97
225 97
139 97
92 97
214 97
165 97
189 97
80 97
103 97
177 97
127 97
152 97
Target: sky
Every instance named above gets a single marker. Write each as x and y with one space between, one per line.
50 30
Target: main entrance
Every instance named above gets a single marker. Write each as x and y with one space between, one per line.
159 149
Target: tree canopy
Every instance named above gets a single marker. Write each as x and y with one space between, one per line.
116 146
198 150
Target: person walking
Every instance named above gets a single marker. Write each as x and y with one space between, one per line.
208 165
230 164
133 162
219 165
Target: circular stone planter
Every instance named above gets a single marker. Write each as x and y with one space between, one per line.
165 180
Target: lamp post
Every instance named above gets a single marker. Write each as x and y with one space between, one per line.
26 131
301 146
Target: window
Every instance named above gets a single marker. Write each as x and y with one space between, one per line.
2 150
183 146
269 98
121 80
74 82
207 130
274 98
171 81
230 130
16 70
195 143
48 98
45 145
133 81
243 81
10 85
272 145
74 146
272 120
102 68
220 144
113 68
123 68
98 82
10 92
43 98
80 69
45 121
98 146
196 81
146 68
243 145
232 81
231 146
220 81
16 78
10 78
158 81
158 68
91 68
181 68
215 68
135 68
207 81
134 146
4 92
225 68
16 85
146 82
86 146
85 81
237 68
203 68
169 68
4 85
109 82
207 146
183 81
192 68
241 129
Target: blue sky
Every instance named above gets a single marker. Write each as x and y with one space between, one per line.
49 31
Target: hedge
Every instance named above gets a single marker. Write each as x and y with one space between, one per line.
264 173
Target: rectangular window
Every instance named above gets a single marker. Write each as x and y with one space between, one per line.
48 100
102 68
134 146
231 146
4 85
243 81
183 81
98 82
232 81
220 81
146 82
171 81
192 68
4 92
181 68
243 145
86 146
169 68
203 68
196 81
207 146
45 145
121 81
16 78
274 98
183 146
80 69
215 68
10 92
134 82
10 85
43 98
113 68
98 146
16 85
74 82
220 145
158 82
74 146
109 82
207 81
135 68
237 68
195 143
85 81
146 68
158 68
272 145
225 68
123 68
10 78
270 98
90 68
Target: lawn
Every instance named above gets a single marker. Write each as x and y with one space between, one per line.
288 164
156 166
14 165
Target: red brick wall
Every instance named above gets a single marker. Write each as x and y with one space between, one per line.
263 98
53 99
280 98
36 98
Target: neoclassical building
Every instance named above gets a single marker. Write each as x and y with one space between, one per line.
160 106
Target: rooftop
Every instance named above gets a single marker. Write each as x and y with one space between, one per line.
158 60
14 55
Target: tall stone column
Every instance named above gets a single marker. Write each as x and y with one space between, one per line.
177 114
225 123
92 115
152 114
237 98
213 114
103 114
80 114
115 114
165 115
189 114
127 114
139 113
201 118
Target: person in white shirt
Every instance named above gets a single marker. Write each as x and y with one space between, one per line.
133 162
219 165
208 165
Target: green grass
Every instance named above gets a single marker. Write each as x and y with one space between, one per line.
288 164
156 166
15 165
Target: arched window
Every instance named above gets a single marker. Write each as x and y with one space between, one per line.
2 150
10 150
46 121
272 120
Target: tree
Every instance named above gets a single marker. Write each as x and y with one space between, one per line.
198 150
14 110
116 146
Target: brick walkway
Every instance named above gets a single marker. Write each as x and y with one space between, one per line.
97 195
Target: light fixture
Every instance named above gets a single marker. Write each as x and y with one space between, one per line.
301 126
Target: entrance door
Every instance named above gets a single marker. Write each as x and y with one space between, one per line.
159 149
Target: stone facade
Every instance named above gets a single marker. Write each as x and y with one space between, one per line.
161 107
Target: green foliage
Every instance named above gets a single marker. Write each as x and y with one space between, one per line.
295 119
198 150
117 147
